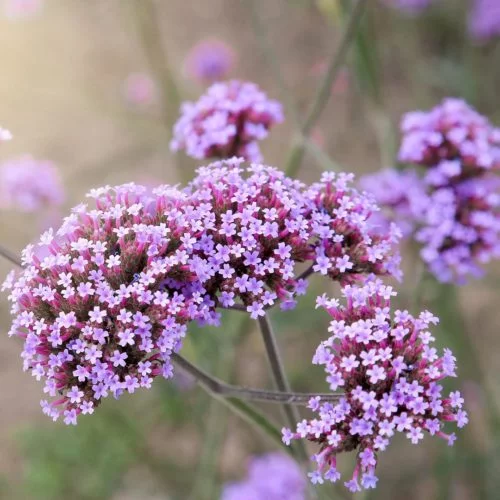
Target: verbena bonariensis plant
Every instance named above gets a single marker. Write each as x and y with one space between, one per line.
29 185
452 198
228 120
273 476
391 378
210 60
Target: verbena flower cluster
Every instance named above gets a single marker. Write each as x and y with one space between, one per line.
273 476
103 302
391 379
455 201
228 120
258 224
209 61
484 19
400 192
28 185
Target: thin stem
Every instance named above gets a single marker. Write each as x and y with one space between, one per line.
291 413
252 416
215 433
334 67
304 275
324 90
150 33
322 158
216 387
10 256
272 60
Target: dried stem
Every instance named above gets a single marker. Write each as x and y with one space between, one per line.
217 387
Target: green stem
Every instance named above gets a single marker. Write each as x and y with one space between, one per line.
324 91
323 160
272 60
149 30
216 386
291 413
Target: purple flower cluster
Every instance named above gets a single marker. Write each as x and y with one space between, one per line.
409 6
401 196
103 302
453 140
5 135
452 197
210 60
29 185
273 476
228 120
484 19
390 375
258 224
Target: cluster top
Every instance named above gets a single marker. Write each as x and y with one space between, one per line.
228 120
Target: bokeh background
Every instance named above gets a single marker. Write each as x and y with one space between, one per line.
63 95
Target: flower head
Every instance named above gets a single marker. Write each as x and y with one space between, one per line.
459 151
28 184
484 20
229 119
256 225
448 199
210 60
390 375
103 302
273 476
453 140
401 195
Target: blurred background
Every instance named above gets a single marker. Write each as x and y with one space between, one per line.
94 87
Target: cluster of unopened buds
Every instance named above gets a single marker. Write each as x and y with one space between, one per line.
448 198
